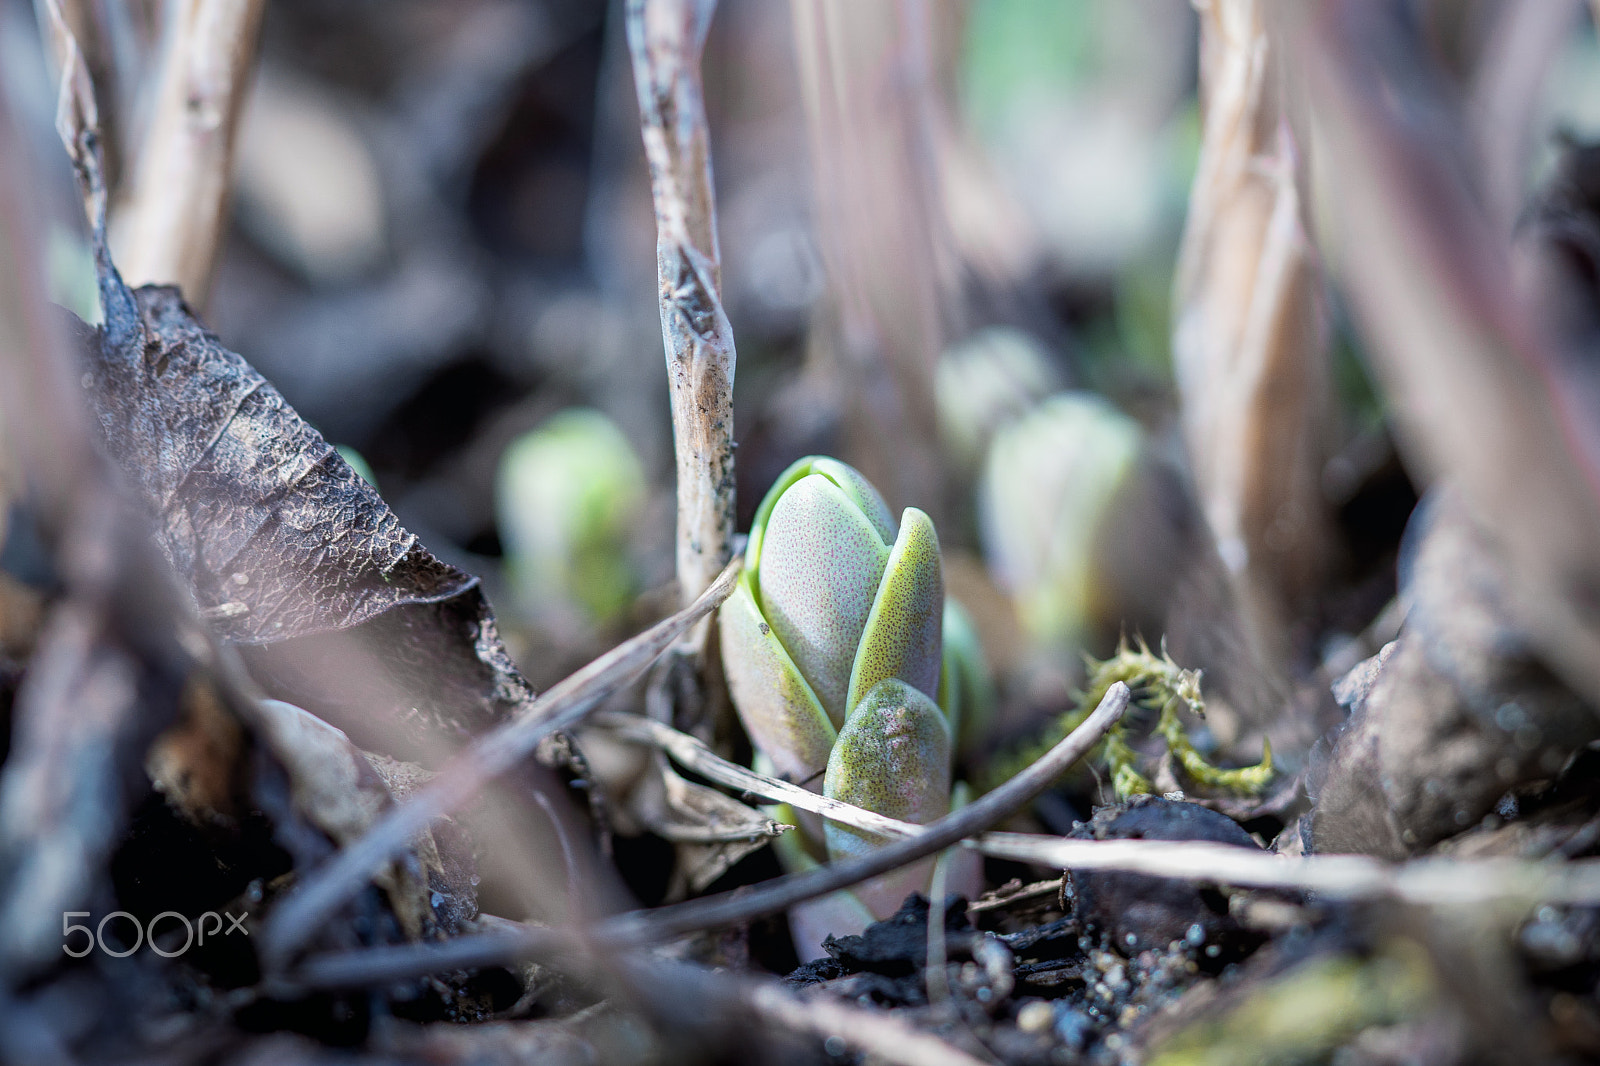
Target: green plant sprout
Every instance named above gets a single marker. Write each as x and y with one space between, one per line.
846 663
1161 685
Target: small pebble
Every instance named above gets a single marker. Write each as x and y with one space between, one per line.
1035 1017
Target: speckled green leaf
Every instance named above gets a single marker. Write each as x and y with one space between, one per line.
901 638
820 570
778 709
892 757
849 481
860 492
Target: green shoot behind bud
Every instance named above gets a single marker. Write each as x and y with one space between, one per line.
568 496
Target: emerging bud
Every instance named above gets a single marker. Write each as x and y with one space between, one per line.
834 651
833 600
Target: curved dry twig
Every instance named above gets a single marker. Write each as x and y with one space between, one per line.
880 1034
1433 882
638 928
295 920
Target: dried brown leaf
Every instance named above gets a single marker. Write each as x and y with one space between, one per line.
282 545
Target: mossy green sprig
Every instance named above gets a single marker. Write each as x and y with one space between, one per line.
1159 684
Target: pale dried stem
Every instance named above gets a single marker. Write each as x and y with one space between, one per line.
1437 882
298 917
170 224
1477 390
1048 887
640 928
881 1036
1519 53
1427 882
665 38
864 71
106 33
691 754
1248 332
121 614
43 409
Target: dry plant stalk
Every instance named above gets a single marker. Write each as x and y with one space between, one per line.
78 715
1519 50
1478 391
1438 882
1248 336
882 1037
170 222
864 74
106 35
41 400
687 751
665 38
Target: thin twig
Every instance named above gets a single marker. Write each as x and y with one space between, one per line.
742 1002
665 38
880 1035
784 892
46 425
1426 882
691 754
294 921
121 620
1434 881
638 928
107 36
1048 887
171 224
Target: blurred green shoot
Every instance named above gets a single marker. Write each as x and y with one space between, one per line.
569 495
